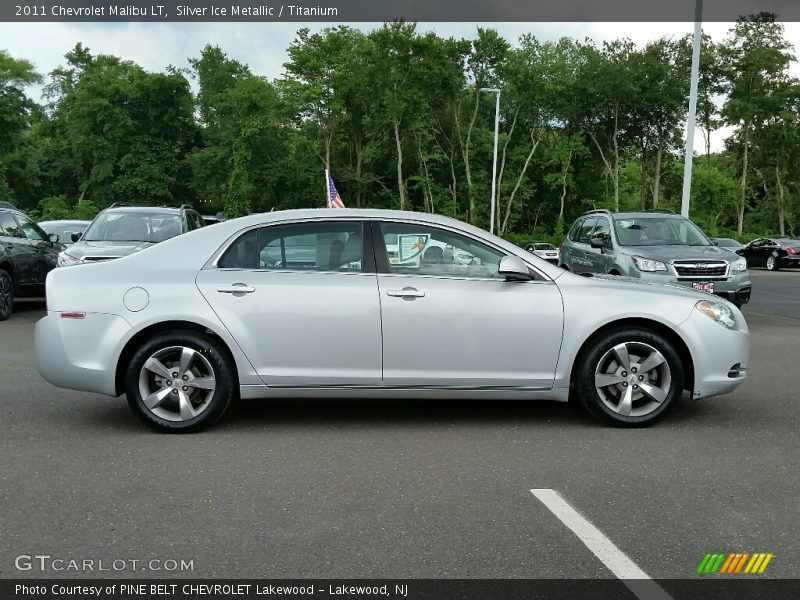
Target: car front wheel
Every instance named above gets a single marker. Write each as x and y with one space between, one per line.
630 377
180 382
6 295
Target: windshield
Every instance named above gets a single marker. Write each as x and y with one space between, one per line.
133 227
544 247
659 231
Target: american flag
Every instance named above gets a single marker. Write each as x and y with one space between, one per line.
334 199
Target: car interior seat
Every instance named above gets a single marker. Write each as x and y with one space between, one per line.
335 254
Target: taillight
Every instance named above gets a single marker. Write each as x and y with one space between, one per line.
73 315
791 251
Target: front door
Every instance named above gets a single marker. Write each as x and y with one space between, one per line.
299 303
451 321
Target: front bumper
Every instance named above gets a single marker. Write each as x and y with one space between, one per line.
721 356
80 354
736 287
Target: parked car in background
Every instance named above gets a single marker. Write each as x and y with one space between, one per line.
214 219
660 247
121 230
772 253
729 244
185 326
64 229
27 254
543 250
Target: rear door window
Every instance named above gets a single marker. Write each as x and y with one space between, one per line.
314 246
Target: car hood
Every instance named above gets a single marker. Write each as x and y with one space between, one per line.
103 249
669 253
618 282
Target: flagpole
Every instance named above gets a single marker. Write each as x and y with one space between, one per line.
327 191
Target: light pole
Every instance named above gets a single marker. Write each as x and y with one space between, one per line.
495 91
688 159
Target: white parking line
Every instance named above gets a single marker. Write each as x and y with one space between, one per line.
639 582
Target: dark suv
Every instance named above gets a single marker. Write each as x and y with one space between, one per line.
654 246
121 230
27 254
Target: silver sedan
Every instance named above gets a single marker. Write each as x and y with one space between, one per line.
308 304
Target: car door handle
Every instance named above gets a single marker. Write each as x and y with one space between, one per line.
406 293
236 288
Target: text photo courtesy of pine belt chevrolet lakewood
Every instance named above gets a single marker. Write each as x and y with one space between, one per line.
307 303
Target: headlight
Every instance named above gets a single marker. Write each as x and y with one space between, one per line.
739 264
66 260
649 265
717 311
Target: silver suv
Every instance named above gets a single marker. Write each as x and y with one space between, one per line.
657 246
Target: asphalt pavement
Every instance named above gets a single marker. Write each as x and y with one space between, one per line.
404 489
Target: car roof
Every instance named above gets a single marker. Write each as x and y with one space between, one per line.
644 215
166 209
65 222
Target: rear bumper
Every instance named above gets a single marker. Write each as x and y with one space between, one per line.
80 354
787 262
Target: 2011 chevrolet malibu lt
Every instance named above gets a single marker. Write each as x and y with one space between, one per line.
308 303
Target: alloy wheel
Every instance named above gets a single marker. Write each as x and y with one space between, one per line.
771 263
177 383
633 379
6 294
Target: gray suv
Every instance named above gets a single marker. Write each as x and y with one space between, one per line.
656 246
121 230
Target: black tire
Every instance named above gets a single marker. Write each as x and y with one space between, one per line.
597 353
209 356
6 295
772 263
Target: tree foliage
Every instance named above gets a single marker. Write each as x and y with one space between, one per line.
398 117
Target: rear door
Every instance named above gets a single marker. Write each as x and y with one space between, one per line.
302 302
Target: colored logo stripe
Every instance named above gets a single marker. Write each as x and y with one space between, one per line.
734 562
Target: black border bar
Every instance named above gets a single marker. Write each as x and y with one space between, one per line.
343 11
705 588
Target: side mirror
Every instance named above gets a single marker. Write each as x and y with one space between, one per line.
598 243
715 242
76 235
53 237
514 269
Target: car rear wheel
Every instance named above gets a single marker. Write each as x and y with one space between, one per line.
630 377
180 382
772 263
6 295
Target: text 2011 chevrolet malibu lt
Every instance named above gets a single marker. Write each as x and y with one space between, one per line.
378 304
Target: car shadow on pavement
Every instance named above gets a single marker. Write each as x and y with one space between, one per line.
247 415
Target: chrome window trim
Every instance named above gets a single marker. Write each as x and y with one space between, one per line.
211 263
